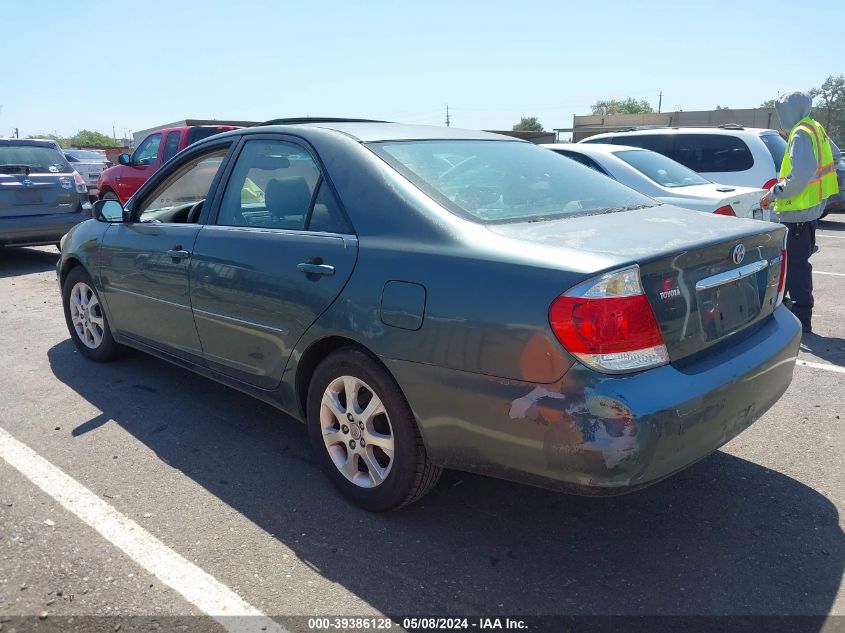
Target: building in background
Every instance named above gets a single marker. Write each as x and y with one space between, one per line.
588 125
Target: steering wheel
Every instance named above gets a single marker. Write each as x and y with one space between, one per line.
194 212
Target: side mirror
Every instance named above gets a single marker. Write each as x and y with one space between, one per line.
107 211
124 159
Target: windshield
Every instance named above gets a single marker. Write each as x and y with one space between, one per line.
662 170
36 158
776 146
500 181
84 154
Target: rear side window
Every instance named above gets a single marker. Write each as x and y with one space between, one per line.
580 158
200 132
711 152
776 146
593 139
660 143
171 146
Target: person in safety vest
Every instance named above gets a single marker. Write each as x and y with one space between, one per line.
807 179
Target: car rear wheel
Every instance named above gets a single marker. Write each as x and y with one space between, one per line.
85 318
364 434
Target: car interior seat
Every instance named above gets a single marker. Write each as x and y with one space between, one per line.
287 201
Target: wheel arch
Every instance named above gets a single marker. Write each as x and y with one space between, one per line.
314 354
69 264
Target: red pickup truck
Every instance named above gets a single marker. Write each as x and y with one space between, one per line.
124 179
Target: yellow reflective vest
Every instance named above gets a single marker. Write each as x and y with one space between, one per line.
823 185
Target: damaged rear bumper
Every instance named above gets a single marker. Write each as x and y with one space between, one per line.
593 433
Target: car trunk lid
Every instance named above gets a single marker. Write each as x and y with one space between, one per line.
700 289
744 201
24 193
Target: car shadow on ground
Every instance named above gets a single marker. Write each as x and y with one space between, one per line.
833 222
26 261
829 348
726 536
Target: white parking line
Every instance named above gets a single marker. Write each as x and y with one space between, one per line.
825 366
836 237
198 587
824 272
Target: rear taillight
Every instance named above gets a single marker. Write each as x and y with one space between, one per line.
725 210
608 324
770 183
782 278
81 187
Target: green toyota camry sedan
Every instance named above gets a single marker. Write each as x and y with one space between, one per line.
426 298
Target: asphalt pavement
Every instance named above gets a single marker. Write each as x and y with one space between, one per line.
229 487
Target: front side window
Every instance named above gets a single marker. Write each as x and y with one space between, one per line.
661 169
501 181
173 199
147 151
271 186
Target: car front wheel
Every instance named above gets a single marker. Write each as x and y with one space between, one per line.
85 318
364 434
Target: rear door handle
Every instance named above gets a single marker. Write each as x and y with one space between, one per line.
178 254
315 269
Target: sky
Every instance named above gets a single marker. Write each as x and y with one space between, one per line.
127 65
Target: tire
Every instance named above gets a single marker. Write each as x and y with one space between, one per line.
109 195
392 469
86 321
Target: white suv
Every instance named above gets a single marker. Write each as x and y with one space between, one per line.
729 154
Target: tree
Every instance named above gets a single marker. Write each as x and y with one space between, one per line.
621 106
89 138
528 124
830 105
768 103
718 107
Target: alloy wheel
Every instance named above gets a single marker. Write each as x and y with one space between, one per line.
356 431
86 314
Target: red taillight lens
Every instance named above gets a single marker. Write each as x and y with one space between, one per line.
608 324
725 210
782 278
770 183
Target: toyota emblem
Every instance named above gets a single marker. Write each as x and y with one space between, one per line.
738 254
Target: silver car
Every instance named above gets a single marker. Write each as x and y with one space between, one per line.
90 164
41 195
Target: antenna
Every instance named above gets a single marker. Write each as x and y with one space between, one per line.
448 120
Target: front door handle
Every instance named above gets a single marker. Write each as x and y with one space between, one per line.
177 253
315 269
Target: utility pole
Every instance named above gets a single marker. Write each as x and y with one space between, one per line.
660 102
448 120
16 133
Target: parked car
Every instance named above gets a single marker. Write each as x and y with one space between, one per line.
41 196
427 297
837 202
123 180
90 164
663 179
729 154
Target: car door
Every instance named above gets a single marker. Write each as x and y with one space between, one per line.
276 255
144 262
143 164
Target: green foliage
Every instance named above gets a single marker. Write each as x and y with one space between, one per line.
718 107
621 106
829 105
768 103
89 138
528 124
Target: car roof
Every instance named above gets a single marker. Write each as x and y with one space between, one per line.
594 148
34 142
756 131
372 131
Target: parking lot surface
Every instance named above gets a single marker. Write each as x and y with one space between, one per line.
229 487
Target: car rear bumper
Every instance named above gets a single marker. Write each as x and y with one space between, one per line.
597 434
34 230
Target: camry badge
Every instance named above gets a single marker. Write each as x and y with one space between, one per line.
738 254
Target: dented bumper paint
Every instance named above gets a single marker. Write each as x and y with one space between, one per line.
593 433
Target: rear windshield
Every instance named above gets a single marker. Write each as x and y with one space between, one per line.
776 146
84 154
661 169
198 133
501 181
37 158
